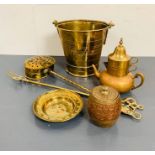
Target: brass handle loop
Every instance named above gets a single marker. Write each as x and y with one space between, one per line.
132 68
141 82
133 61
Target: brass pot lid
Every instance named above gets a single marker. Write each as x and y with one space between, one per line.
104 94
119 53
58 106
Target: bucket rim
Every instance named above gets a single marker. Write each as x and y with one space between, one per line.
83 31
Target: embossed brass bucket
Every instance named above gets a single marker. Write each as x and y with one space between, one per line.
82 42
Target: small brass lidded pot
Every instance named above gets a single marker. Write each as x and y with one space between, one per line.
104 106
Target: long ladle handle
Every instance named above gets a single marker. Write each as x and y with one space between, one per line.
70 81
52 86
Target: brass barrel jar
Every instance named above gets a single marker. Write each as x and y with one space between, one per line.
82 42
104 106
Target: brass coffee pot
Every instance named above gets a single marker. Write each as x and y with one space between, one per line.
122 84
117 74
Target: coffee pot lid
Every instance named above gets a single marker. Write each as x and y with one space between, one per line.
102 94
119 53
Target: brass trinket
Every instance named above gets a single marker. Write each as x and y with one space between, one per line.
58 106
104 106
129 107
82 42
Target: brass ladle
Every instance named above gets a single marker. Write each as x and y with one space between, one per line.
39 67
129 105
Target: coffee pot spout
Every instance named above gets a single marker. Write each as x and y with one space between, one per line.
97 73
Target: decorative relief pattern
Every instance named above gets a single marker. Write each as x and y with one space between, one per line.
104 112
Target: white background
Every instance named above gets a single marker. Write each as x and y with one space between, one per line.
28 29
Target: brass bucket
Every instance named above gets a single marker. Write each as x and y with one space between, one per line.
82 42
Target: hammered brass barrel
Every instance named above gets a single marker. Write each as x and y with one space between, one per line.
82 42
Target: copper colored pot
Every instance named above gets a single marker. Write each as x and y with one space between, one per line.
104 106
121 84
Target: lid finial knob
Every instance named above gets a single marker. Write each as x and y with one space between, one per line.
121 41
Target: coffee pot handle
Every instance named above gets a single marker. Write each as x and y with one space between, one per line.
141 77
133 61
132 68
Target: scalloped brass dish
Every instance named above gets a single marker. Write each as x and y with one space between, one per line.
57 106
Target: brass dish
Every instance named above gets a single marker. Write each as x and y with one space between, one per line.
57 106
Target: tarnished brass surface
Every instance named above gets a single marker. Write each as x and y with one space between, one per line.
57 106
129 107
37 67
41 66
104 106
119 63
82 42
121 84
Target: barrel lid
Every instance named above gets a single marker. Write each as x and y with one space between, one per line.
104 93
39 62
119 53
